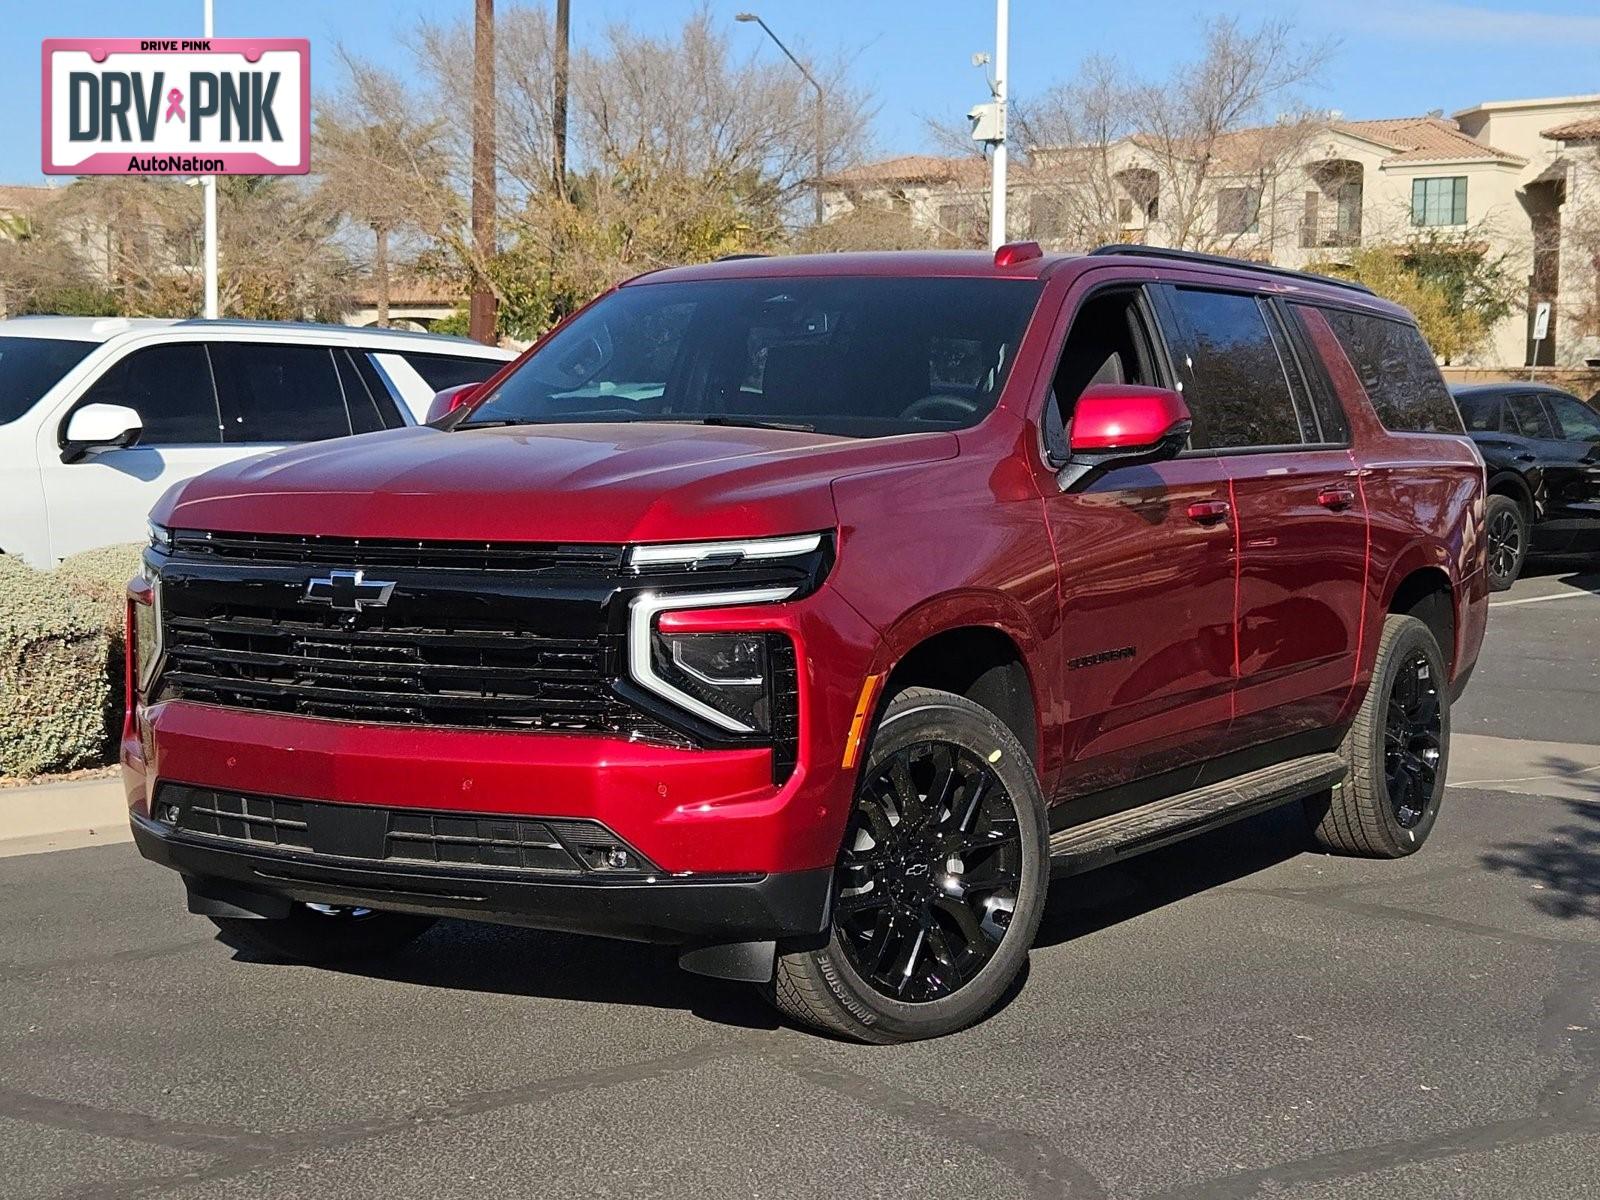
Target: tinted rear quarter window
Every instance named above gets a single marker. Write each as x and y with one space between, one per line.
442 371
279 393
30 367
1234 377
170 388
1398 372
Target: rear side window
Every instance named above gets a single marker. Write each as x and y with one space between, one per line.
1528 417
1398 372
442 371
279 393
1480 414
1234 378
170 388
30 367
370 404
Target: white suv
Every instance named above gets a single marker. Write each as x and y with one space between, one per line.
98 417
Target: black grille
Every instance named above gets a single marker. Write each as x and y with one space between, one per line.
547 845
300 550
294 662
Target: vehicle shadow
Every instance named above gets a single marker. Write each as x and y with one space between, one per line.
1084 904
504 960
1566 864
1579 572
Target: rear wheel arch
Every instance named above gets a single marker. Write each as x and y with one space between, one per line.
1428 594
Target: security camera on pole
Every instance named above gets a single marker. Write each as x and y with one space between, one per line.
989 126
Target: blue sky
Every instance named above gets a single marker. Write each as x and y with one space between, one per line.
1393 57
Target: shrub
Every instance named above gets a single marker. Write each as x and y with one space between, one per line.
53 685
101 577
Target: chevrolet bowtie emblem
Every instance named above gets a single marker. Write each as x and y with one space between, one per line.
348 590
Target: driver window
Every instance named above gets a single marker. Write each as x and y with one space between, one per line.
1106 344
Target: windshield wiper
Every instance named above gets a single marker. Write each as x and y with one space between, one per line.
735 422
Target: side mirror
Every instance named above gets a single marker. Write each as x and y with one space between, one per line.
99 427
446 402
1121 425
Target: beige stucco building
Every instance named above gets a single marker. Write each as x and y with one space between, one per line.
1520 176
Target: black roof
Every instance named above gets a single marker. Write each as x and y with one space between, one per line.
1503 386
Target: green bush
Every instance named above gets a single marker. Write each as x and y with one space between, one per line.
54 690
101 577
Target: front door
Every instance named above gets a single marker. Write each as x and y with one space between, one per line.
1147 577
105 497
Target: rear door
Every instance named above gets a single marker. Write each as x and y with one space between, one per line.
1297 516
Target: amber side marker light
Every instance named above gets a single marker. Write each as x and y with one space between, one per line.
858 723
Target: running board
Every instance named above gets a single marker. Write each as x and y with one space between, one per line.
1151 826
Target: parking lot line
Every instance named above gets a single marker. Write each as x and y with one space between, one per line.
1573 595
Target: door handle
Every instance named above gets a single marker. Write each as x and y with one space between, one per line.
1208 512
1336 498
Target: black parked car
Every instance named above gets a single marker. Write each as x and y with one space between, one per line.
1542 448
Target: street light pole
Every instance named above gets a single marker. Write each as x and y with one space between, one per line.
997 183
208 191
820 126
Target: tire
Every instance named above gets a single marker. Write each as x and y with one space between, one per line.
1506 530
1397 752
314 935
969 871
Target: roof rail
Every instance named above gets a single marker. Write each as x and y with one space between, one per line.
737 257
1222 260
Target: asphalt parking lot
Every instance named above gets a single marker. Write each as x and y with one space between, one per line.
1229 1018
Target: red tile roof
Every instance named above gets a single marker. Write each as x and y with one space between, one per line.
1574 131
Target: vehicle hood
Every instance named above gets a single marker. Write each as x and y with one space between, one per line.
547 483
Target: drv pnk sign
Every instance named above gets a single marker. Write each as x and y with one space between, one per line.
165 106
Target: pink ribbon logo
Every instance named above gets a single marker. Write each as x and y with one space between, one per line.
175 105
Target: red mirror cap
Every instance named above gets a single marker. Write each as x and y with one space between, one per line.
1119 416
451 399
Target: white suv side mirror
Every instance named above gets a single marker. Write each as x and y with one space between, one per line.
99 426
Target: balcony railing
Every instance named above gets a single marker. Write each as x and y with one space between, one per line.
1328 233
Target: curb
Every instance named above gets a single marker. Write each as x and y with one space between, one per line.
63 816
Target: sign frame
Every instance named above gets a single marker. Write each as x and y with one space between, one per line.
184 163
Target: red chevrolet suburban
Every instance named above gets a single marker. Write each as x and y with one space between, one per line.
810 613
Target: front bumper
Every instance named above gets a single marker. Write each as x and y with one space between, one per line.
694 910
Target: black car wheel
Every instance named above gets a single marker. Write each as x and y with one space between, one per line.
1506 530
1396 752
940 884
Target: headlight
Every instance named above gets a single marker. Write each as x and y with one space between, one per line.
721 554
720 677
160 536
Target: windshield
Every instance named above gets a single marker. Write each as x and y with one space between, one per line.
30 367
861 357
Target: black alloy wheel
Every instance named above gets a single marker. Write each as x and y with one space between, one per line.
1507 543
1412 734
930 873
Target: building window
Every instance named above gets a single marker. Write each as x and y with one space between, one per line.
1124 212
1439 201
1239 210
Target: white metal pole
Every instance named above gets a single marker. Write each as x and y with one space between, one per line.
208 187
997 184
